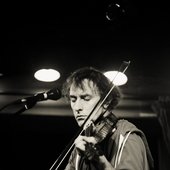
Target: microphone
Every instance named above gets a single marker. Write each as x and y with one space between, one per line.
53 94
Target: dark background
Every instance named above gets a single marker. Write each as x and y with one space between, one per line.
67 35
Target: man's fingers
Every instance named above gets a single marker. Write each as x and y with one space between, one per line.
86 139
82 141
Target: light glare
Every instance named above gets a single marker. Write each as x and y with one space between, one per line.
47 75
118 78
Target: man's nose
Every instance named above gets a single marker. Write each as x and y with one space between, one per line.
78 105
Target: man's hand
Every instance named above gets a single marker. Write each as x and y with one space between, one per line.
88 147
82 141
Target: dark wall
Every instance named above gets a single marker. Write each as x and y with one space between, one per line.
34 142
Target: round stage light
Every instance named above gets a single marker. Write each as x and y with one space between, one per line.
118 78
47 75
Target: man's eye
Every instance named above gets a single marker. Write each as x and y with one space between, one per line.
87 98
72 99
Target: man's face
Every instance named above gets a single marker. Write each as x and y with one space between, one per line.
83 100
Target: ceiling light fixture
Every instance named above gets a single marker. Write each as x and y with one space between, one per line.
47 75
118 78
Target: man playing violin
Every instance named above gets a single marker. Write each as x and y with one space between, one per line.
121 146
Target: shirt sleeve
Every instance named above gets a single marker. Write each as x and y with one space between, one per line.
134 154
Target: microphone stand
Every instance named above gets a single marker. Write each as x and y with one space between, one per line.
27 105
29 102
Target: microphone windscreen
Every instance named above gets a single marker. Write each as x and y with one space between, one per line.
54 94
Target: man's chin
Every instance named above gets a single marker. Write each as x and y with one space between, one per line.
80 123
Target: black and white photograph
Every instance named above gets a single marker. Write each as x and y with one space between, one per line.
85 85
